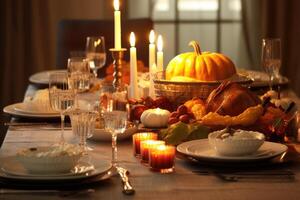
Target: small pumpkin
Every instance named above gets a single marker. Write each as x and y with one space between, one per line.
202 66
155 118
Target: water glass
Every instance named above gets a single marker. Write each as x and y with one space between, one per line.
79 74
61 96
95 53
83 125
271 58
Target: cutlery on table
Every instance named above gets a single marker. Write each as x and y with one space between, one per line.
127 187
234 176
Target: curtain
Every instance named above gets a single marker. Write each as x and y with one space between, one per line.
24 45
28 38
274 18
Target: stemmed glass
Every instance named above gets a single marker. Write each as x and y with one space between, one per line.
61 96
83 124
95 53
79 75
271 58
114 108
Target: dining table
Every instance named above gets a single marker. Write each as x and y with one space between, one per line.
191 179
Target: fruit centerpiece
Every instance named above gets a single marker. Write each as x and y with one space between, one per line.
195 74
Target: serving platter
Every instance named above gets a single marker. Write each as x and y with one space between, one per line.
201 150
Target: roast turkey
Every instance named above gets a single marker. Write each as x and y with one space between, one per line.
231 99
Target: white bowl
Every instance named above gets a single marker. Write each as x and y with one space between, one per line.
46 160
240 144
105 135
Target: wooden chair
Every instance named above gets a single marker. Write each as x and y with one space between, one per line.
72 37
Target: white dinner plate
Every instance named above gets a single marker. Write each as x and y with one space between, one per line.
103 135
43 77
11 109
201 150
12 169
25 108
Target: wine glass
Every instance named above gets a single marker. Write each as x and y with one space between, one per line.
61 96
79 75
271 58
114 108
95 53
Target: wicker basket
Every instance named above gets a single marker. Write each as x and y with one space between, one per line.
179 92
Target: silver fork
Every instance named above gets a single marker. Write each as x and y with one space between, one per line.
127 187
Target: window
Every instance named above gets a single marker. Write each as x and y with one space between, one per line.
215 24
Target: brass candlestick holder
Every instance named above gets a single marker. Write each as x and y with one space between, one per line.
118 55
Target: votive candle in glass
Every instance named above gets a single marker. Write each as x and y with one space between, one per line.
138 137
146 147
161 158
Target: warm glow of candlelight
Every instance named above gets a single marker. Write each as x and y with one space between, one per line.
116 4
132 39
152 37
159 43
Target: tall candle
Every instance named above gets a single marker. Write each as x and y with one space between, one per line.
160 54
117 18
152 49
133 92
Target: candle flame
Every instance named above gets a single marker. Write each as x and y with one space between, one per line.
152 36
132 39
116 4
159 43
97 43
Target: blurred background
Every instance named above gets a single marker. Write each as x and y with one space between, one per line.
31 32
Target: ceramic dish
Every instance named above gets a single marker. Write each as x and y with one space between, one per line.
238 143
104 135
201 150
14 170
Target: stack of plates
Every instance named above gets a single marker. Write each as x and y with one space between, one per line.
22 110
200 150
12 169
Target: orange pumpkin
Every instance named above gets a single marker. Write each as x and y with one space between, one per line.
202 66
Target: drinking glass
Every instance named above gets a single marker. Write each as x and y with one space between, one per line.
95 53
271 58
114 108
79 75
61 96
83 125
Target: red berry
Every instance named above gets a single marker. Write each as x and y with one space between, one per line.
137 111
174 115
182 110
173 120
184 118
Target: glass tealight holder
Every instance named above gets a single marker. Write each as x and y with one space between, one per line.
138 137
146 147
161 158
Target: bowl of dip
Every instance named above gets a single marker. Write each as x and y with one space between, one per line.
230 142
